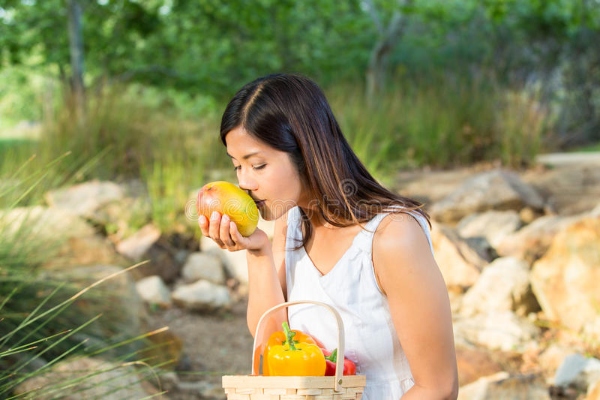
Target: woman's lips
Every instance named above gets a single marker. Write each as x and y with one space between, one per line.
259 203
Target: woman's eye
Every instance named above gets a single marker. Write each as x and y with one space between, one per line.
261 166
237 167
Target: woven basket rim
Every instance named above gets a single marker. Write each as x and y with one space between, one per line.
325 382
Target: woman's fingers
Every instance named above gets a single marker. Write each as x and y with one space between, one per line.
223 231
214 228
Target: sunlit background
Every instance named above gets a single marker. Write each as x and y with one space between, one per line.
132 90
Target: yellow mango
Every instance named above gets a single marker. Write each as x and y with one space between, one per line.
227 198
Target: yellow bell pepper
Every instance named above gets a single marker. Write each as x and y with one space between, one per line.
295 358
279 338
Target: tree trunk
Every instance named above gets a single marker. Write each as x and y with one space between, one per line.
76 51
377 71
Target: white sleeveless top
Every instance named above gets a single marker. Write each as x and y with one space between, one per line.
351 287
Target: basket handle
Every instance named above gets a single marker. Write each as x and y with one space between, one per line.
339 365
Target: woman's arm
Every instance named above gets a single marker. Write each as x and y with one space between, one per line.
266 280
266 274
410 278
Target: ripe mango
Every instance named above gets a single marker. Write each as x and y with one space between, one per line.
227 198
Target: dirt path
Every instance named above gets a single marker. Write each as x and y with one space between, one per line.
213 346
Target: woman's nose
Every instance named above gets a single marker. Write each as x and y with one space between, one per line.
246 182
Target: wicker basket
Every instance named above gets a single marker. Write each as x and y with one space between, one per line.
258 387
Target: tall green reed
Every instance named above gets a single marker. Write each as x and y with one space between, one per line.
47 317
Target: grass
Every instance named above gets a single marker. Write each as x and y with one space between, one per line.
591 148
441 122
51 317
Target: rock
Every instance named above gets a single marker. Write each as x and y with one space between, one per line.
552 357
503 386
499 330
85 378
86 198
164 261
202 296
65 239
150 245
43 223
493 190
154 291
565 280
459 262
492 225
139 243
474 363
86 251
203 266
503 286
428 187
569 190
578 372
234 261
532 241
593 392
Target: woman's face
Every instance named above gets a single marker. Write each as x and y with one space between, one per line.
267 174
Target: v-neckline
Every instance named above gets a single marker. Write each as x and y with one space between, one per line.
344 254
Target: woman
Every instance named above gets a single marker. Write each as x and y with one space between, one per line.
339 238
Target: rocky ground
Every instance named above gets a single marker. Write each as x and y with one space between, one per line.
213 345
494 313
216 345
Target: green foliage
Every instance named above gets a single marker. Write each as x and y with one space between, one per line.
442 122
191 45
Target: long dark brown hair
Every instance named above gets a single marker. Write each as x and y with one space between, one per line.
290 113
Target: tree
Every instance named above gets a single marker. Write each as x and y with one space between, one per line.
389 35
77 57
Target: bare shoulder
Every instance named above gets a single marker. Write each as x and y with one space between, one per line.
399 231
401 251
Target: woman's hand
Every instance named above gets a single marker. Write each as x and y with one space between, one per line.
226 235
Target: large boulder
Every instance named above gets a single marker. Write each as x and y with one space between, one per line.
86 198
492 190
568 189
503 286
66 239
503 386
533 240
565 280
494 226
460 262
